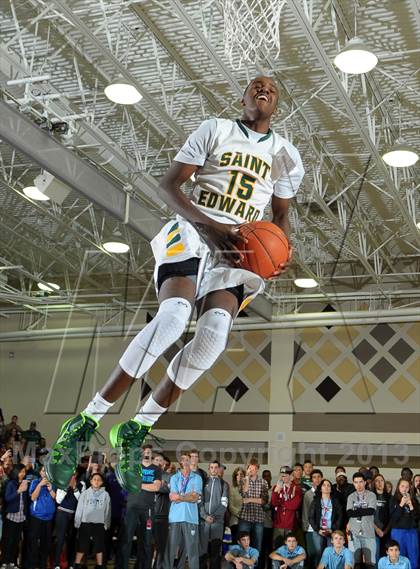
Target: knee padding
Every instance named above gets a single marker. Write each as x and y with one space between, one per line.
202 351
155 338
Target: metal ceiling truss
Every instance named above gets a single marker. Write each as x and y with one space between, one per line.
59 59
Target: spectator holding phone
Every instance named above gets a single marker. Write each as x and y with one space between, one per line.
403 521
286 500
15 507
42 511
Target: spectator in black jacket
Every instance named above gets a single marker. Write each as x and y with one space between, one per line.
404 516
15 509
325 516
162 505
64 521
381 518
342 490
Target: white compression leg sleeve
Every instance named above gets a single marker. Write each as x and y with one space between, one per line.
165 329
210 340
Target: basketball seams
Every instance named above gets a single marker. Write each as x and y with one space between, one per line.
261 257
268 255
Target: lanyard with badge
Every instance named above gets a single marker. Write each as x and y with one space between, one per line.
326 507
184 484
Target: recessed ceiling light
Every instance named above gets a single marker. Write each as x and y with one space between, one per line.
116 247
355 58
418 225
33 193
49 287
306 283
400 156
123 93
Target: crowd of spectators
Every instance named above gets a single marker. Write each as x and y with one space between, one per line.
185 513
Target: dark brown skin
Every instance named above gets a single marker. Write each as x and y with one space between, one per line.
257 113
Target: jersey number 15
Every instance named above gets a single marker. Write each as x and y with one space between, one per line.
243 183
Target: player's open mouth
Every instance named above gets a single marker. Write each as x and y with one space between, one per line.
262 97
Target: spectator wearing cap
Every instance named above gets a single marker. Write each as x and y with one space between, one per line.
311 551
337 556
393 559
361 507
325 516
254 492
290 554
286 500
342 490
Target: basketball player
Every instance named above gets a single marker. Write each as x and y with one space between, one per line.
240 167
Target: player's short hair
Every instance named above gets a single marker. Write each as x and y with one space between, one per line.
144 447
338 532
194 451
254 462
290 534
392 543
215 462
242 534
307 461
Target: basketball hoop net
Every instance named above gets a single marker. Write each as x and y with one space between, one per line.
248 26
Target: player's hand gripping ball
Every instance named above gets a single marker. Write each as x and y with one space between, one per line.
266 250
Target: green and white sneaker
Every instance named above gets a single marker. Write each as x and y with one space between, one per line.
129 437
75 434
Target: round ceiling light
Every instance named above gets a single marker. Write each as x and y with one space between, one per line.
306 283
355 58
400 156
123 93
116 247
33 193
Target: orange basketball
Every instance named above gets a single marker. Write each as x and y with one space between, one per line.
267 248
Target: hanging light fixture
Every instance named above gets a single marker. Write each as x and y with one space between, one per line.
400 155
306 283
116 247
34 193
355 58
49 287
122 92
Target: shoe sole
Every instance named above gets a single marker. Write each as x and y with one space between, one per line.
113 435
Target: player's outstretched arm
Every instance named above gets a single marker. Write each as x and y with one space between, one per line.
219 236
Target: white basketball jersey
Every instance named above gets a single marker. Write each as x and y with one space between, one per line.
240 169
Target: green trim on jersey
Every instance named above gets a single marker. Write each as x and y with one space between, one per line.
243 129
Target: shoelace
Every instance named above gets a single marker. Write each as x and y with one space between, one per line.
82 434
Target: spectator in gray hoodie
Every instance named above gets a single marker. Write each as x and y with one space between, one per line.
93 518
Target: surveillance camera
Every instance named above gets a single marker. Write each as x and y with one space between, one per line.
60 127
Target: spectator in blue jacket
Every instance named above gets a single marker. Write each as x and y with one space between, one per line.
15 509
42 511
